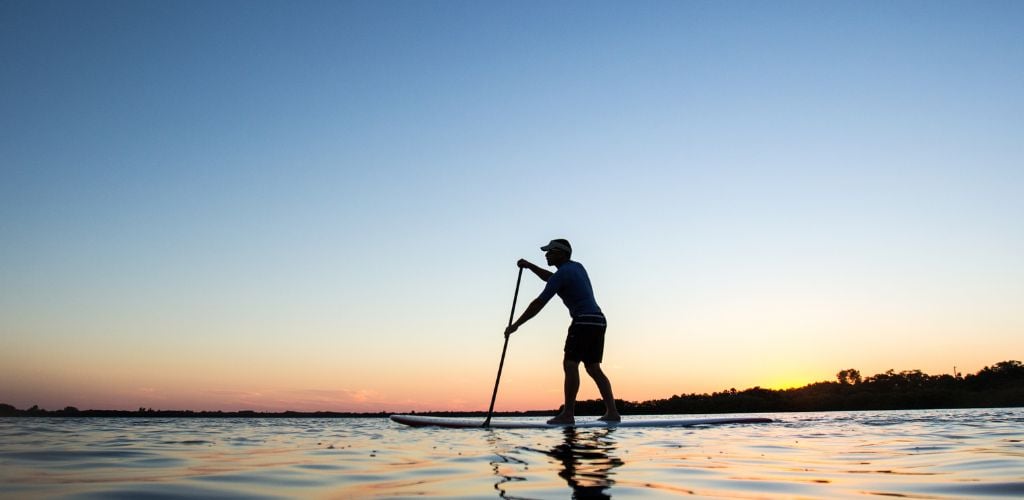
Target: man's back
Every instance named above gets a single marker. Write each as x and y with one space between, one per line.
572 284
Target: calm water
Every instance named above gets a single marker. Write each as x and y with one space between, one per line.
912 454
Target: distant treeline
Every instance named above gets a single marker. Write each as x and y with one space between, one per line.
7 410
997 386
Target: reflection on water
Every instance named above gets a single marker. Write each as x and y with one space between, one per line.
909 454
503 458
587 458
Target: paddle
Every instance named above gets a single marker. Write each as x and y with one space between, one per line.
511 316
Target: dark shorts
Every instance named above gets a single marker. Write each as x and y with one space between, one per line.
585 341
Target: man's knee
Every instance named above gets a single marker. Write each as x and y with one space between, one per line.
570 365
593 369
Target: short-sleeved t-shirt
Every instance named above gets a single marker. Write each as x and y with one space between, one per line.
572 284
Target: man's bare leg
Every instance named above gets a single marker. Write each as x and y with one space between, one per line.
611 414
571 387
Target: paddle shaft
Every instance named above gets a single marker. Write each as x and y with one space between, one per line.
501 364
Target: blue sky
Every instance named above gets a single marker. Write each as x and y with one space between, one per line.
198 184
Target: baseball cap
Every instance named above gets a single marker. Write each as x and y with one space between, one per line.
559 244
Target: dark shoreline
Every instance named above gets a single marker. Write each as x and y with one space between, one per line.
347 415
150 413
997 386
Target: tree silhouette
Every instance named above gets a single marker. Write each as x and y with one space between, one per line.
849 376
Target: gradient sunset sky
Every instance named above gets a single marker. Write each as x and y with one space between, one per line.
277 205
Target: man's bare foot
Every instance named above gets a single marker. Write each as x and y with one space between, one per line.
611 418
562 419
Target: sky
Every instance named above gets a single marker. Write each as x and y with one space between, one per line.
308 206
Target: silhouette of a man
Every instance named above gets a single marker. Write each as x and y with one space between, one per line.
585 340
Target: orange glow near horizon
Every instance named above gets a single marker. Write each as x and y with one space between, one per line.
368 361
522 388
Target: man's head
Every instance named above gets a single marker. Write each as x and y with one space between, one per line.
557 252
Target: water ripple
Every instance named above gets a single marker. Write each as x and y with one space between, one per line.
915 454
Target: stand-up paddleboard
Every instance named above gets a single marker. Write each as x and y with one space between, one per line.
462 423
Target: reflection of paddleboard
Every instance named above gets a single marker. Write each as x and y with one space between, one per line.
421 421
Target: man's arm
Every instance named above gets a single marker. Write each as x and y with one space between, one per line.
530 312
541 273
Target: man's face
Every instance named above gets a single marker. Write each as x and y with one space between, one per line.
555 256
